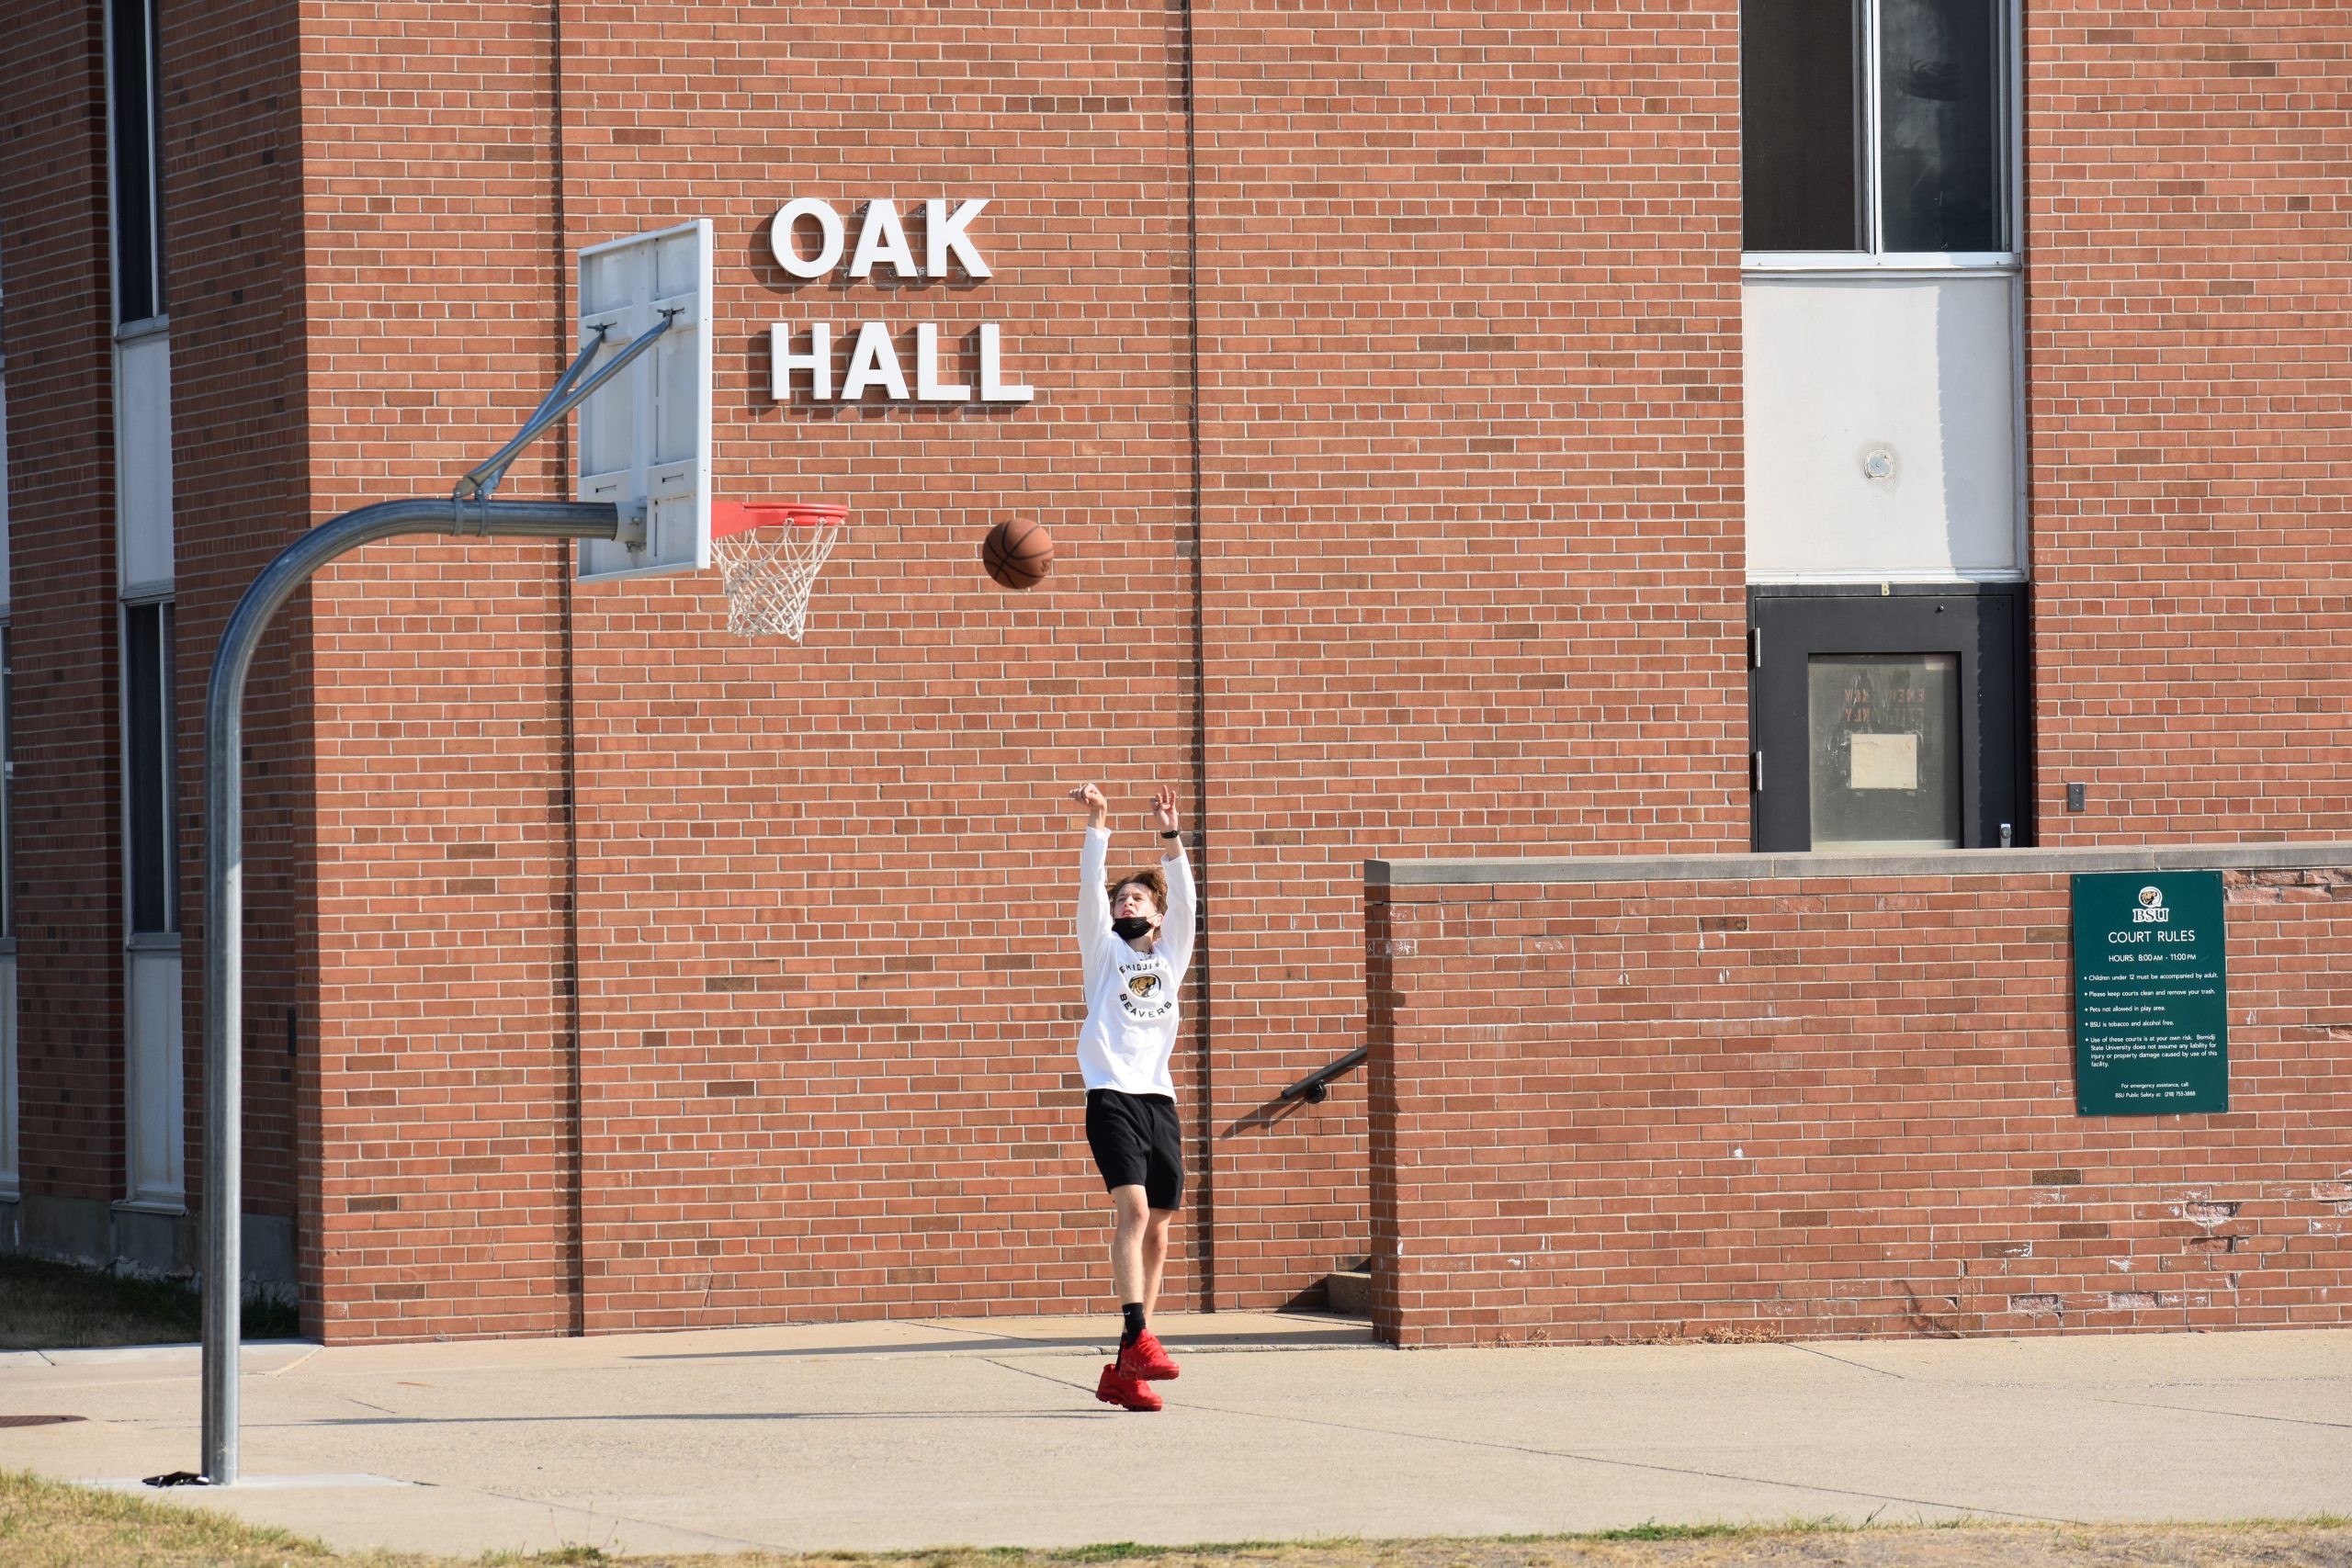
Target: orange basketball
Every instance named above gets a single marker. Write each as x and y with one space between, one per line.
1017 553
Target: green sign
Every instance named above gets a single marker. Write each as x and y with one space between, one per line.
2151 993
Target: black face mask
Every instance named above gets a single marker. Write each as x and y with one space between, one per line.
1129 927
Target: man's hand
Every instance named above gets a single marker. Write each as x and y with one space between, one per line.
1163 806
1098 810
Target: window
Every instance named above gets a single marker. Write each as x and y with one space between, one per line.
7 781
1875 126
7 738
133 45
1882 751
148 754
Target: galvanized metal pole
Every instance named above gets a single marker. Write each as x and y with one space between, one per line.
225 887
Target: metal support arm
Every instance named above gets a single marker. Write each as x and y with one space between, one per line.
568 393
225 887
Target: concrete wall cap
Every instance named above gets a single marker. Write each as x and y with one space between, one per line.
1794 867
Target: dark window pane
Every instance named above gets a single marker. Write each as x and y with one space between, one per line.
7 801
1801 125
147 763
139 289
1941 112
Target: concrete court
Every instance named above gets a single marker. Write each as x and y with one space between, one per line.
985 1432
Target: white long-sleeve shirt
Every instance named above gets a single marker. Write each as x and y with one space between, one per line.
1130 997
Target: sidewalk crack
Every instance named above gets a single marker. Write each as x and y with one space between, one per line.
1857 1366
1882 1499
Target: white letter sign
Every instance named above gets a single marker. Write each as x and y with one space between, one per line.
829 226
783 362
875 366
929 388
942 234
881 238
873 362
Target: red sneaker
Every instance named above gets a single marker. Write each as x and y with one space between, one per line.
1128 1393
1147 1360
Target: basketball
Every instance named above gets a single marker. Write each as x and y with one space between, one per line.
1017 553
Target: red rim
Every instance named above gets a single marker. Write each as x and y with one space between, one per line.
735 516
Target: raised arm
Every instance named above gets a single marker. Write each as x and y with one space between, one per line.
1094 896
1176 929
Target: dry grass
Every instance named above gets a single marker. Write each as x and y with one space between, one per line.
44 1524
58 1306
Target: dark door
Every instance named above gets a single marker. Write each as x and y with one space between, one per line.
1886 720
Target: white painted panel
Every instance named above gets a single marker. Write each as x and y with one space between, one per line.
1881 420
143 459
8 1182
157 1122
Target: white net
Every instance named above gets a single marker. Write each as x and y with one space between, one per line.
767 573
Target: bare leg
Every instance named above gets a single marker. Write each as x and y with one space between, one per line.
1154 1257
1127 1276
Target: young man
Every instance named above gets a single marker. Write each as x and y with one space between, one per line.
1135 939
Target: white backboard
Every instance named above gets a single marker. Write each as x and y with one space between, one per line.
644 439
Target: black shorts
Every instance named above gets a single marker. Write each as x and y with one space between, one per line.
1136 1143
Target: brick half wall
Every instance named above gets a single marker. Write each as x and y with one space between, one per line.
1722 1097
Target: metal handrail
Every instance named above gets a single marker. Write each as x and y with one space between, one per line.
1316 1086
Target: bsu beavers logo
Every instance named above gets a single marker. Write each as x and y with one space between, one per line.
1145 995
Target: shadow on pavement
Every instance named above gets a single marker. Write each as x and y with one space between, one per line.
691 1416
980 1344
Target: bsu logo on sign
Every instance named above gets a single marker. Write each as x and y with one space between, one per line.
2152 910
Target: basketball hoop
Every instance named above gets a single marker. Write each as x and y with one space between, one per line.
768 559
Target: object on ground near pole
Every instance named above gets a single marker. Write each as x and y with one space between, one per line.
768 557
1018 553
644 439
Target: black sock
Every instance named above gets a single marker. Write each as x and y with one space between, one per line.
1132 1311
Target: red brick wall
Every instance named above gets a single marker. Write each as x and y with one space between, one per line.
1453 566
826 891
1834 1105
56 261
2191 322
826 984
233 244
430 302
1470 425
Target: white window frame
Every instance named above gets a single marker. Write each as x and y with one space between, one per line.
2010 51
154 1081
11 1189
155 1092
151 597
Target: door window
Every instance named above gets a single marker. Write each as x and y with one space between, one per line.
1885 750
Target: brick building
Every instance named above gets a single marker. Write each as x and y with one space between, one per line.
1619 451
